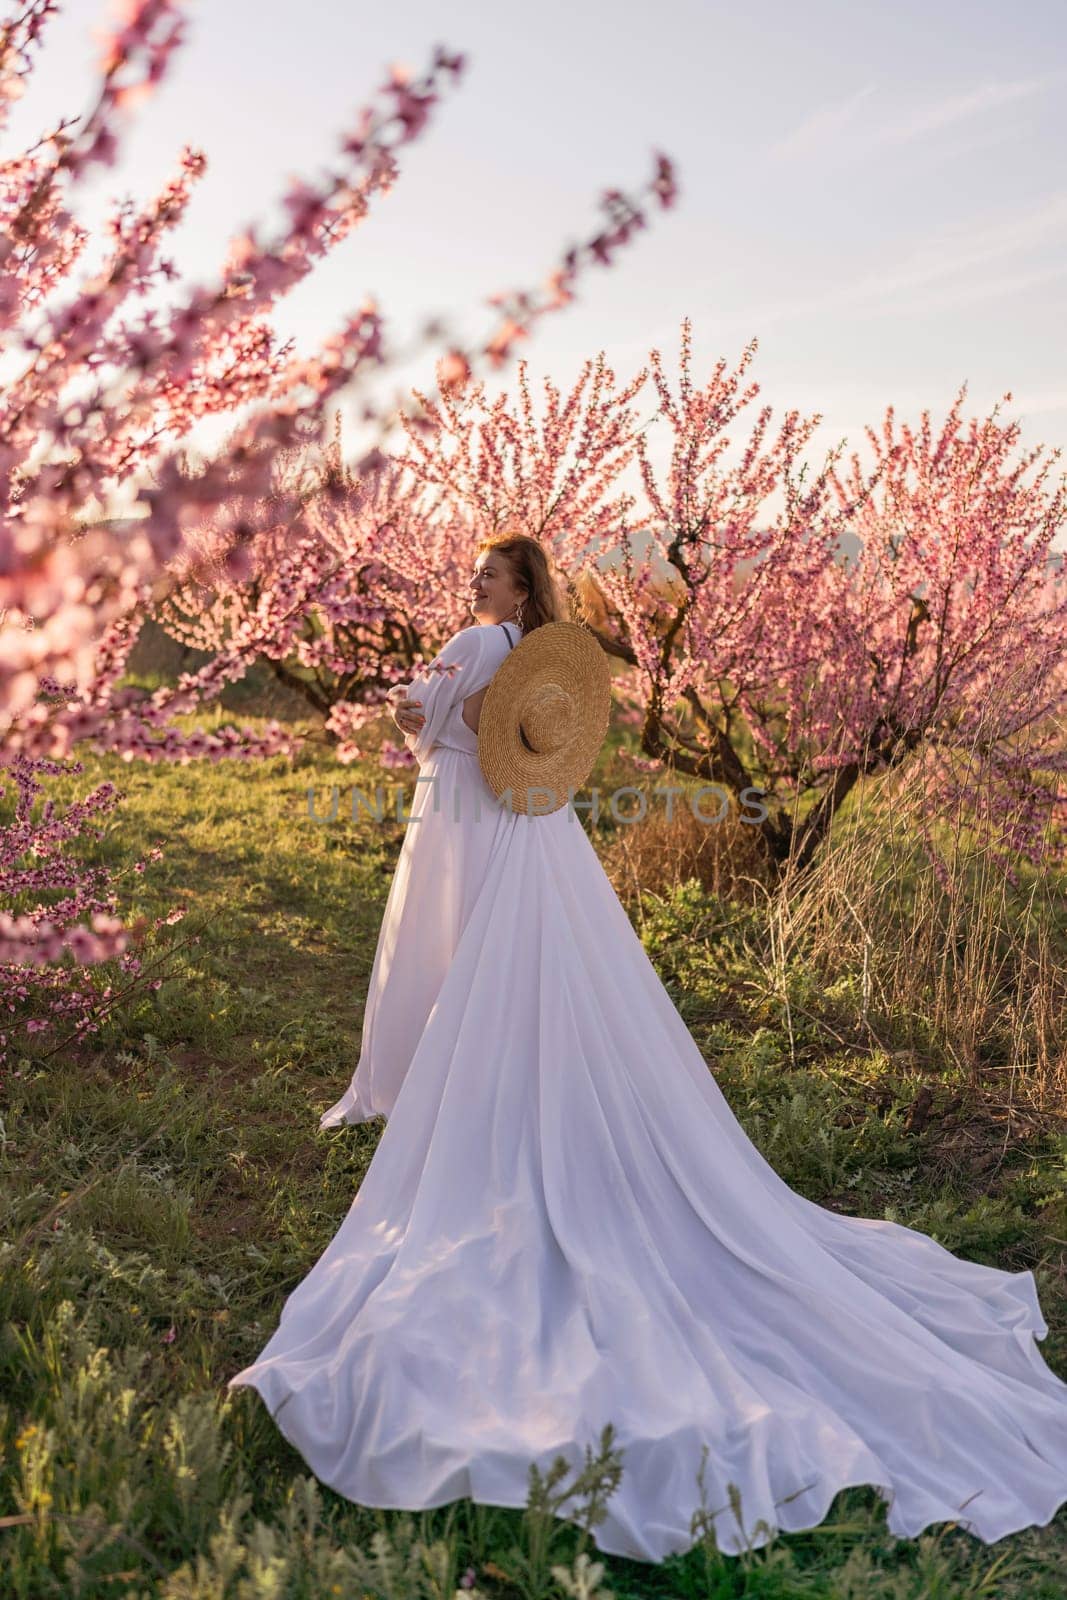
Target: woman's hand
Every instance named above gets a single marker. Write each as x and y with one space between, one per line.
406 717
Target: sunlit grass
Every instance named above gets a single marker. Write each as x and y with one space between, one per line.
165 1188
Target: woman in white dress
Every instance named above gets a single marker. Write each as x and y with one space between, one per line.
564 1225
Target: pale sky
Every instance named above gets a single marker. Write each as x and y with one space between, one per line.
876 191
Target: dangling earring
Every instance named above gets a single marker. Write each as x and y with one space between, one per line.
518 615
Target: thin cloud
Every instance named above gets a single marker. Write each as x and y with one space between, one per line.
949 262
821 127
822 130
961 107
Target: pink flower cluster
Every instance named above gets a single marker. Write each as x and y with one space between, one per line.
911 612
106 385
764 651
46 951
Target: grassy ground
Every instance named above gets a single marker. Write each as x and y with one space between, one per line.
167 1187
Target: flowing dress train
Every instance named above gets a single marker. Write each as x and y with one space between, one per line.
564 1225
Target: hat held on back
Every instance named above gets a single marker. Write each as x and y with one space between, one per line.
544 717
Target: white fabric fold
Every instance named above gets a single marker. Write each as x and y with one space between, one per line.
565 1225
459 669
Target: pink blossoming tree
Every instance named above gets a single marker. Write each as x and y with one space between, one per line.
373 576
767 660
102 396
755 653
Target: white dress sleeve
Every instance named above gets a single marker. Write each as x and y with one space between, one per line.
460 668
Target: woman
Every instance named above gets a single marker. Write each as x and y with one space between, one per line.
455 828
564 1225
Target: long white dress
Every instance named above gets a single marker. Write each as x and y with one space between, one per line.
564 1225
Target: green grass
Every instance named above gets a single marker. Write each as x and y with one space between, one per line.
166 1188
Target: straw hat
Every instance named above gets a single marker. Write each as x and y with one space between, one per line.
544 717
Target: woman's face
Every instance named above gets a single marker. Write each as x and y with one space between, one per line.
494 593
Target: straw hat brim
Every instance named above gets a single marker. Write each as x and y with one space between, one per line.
544 717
